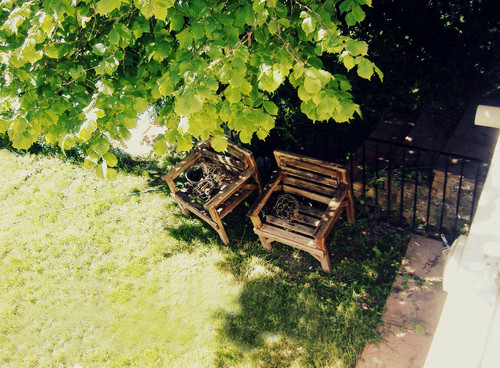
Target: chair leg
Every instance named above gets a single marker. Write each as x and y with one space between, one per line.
325 263
220 228
266 244
350 209
223 235
324 258
184 210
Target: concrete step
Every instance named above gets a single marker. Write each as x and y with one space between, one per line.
473 140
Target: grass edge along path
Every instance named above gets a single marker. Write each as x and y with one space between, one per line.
93 275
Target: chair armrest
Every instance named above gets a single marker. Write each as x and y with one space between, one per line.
264 197
182 165
229 190
331 212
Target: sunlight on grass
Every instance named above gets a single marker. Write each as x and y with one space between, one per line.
110 274
100 283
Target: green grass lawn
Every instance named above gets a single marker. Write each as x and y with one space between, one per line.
97 273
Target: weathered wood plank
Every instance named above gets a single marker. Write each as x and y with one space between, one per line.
182 165
229 163
269 189
236 200
241 153
293 226
292 157
326 180
306 194
310 186
229 190
194 207
286 237
332 212
311 210
307 220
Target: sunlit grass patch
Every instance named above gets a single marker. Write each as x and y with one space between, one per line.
111 274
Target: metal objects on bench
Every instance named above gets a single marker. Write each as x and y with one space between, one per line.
214 184
301 204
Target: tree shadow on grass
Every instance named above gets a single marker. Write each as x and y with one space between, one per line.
190 233
292 314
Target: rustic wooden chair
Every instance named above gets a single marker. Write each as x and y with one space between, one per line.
236 163
300 205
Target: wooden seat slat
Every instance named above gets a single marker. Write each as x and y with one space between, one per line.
293 226
311 210
307 220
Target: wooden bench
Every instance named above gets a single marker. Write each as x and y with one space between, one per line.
318 189
236 163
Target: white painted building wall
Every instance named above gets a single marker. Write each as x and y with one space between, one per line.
468 334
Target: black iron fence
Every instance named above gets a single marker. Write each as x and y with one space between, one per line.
432 192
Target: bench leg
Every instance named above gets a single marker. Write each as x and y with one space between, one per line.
266 244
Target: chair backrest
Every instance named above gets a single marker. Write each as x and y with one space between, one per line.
309 177
235 159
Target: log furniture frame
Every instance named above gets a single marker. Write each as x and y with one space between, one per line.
321 188
238 161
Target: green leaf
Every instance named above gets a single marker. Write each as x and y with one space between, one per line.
100 146
270 107
110 159
145 7
270 79
47 23
357 47
358 13
176 20
345 6
348 61
4 126
114 36
350 20
188 104
160 147
52 51
77 73
140 105
233 95
267 122
165 85
111 174
68 142
308 25
273 28
160 8
184 142
128 118
105 7
365 69
219 143
312 85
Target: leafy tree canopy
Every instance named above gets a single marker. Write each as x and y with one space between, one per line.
82 70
